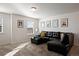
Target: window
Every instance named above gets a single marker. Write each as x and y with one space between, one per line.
1 24
30 24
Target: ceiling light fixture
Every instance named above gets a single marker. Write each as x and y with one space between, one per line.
33 8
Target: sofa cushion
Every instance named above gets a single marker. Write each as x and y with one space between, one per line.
54 42
56 35
49 34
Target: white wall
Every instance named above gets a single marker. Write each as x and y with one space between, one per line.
20 34
12 34
5 36
73 25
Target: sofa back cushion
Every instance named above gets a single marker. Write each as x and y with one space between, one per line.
56 35
49 34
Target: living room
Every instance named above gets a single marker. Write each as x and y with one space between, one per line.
24 25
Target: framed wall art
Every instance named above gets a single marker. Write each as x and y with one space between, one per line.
43 24
20 23
55 23
64 22
48 24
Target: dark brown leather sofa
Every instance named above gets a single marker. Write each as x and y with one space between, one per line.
54 42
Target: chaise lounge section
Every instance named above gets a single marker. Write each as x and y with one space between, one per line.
62 45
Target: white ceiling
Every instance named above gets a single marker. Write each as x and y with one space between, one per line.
43 9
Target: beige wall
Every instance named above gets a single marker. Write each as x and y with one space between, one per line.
73 25
12 34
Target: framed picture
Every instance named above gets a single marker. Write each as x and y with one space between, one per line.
43 24
55 23
48 24
64 22
20 23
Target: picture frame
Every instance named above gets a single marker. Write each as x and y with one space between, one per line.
20 23
55 23
43 24
64 22
48 24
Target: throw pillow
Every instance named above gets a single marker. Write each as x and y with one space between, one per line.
42 34
62 36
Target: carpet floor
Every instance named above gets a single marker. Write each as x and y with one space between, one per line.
34 50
